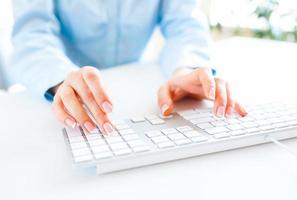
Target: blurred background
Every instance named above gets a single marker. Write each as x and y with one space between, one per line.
269 19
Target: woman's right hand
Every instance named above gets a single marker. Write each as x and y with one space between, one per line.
83 87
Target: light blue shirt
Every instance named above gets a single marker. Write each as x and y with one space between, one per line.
54 37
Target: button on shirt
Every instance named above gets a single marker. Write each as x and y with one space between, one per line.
52 38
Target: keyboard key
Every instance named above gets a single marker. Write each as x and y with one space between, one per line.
126 131
165 145
177 136
238 132
103 155
156 121
150 117
94 131
266 127
221 135
203 120
204 125
140 148
73 132
182 142
111 140
253 130
160 139
190 134
219 123
205 114
249 124
122 152
216 130
184 128
117 122
193 116
137 119
165 117
276 120
263 122
246 119
122 126
135 143
130 137
112 134
169 131
203 110
96 142
232 121
292 123
155 133
93 137
83 158
78 145
186 112
280 125
199 139
76 139
259 117
121 145
81 152
98 149
235 127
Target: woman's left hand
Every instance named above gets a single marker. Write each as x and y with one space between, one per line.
199 84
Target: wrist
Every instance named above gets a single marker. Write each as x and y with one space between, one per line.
53 90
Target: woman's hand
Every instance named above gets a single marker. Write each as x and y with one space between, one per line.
83 87
199 84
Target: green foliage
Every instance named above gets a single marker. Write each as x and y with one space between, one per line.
265 11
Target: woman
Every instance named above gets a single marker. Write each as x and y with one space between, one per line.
61 45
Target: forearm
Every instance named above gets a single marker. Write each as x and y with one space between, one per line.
38 61
187 37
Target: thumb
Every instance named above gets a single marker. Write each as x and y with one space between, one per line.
165 100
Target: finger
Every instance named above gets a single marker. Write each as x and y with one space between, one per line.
230 102
189 83
87 97
207 81
165 100
220 98
61 114
91 77
178 94
75 109
240 109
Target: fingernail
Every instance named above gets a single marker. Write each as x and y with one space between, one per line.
89 126
229 112
107 107
164 108
244 112
108 127
70 123
220 111
212 92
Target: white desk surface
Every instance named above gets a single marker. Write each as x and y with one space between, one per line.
35 163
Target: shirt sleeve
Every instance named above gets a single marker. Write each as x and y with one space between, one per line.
187 37
38 61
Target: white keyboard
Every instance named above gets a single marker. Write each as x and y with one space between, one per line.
155 139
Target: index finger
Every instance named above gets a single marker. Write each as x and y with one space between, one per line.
91 77
207 81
